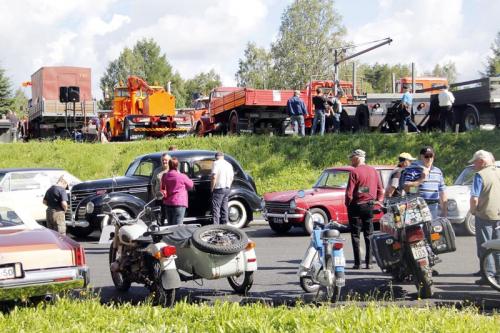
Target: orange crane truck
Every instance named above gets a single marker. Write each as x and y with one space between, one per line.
141 110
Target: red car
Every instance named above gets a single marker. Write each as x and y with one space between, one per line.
325 201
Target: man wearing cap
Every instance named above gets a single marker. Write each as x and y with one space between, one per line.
485 204
56 200
393 189
363 188
297 111
427 180
222 178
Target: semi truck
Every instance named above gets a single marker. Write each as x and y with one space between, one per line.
47 116
141 110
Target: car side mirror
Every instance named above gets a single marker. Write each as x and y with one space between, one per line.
301 194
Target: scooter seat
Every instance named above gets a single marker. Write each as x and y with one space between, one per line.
330 233
180 235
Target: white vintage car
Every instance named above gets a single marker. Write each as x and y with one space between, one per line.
459 201
36 262
28 186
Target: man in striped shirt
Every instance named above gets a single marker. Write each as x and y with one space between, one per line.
424 178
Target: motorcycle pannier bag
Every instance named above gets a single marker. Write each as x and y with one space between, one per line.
383 248
446 240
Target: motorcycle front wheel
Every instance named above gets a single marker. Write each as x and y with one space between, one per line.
119 280
161 296
241 283
308 284
493 256
332 292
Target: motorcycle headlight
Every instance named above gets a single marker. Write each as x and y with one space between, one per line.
89 207
293 205
452 205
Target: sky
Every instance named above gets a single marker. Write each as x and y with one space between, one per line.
200 35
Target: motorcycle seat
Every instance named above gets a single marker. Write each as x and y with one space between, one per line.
180 236
331 233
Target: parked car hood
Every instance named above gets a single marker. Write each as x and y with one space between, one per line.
107 183
287 195
455 191
35 248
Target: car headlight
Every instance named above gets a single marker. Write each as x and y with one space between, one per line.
452 205
293 205
262 204
89 207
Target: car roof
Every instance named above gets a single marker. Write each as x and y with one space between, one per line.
28 169
182 154
349 168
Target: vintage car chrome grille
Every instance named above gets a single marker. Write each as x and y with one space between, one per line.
74 200
277 207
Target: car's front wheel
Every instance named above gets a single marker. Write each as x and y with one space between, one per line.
316 214
81 232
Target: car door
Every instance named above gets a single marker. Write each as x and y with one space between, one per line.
143 170
200 198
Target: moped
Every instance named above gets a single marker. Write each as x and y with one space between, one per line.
323 265
491 257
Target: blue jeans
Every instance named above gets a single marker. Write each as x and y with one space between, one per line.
319 115
298 125
485 231
434 208
175 214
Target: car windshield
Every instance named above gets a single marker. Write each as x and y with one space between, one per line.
9 218
466 177
333 179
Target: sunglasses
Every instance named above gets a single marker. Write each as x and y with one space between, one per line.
429 156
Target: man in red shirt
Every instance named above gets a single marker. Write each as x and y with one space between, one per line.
363 188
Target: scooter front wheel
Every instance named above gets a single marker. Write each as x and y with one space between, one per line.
491 256
308 284
241 283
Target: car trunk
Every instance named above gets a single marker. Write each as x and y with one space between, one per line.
35 249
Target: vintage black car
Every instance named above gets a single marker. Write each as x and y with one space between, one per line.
129 193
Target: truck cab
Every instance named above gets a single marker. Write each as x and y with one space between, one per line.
421 83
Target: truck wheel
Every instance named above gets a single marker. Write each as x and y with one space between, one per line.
237 214
470 119
317 214
362 119
199 130
126 130
233 128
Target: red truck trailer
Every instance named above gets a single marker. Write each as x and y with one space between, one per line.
47 116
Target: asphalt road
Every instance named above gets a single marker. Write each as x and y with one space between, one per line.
276 281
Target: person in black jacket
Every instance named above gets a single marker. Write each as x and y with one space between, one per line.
56 200
320 104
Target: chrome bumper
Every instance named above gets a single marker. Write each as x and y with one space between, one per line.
43 282
285 216
74 223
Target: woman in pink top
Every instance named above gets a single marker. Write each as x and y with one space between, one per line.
175 187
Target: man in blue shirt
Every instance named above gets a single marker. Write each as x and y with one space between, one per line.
424 178
406 111
297 110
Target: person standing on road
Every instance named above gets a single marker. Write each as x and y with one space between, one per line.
427 180
446 100
222 178
393 189
297 111
406 112
485 204
56 200
175 186
156 183
320 104
14 123
363 188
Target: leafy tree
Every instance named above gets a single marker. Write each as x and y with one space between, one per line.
255 70
5 92
19 102
448 70
202 83
144 60
493 65
308 32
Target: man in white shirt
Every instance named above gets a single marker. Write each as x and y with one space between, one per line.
222 178
446 100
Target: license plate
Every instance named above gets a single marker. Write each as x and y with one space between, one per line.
339 261
7 273
419 252
278 220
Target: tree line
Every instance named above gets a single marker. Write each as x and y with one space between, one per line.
309 31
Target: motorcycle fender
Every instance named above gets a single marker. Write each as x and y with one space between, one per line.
170 278
250 260
491 244
306 263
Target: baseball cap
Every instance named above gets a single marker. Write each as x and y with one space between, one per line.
480 154
357 153
427 150
406 156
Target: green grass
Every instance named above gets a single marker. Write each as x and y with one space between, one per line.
276 163
91 316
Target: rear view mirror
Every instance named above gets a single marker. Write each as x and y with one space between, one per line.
301 194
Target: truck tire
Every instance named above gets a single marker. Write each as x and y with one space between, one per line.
470 119
362 118
219 239
199 130
126 130
233 126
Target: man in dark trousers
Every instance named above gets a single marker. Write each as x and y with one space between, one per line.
56 200
363 188
222 178
320 104
297 111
